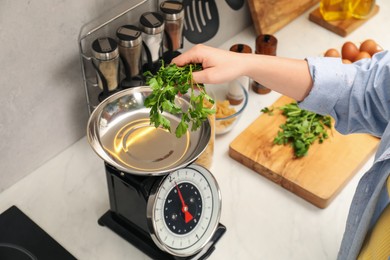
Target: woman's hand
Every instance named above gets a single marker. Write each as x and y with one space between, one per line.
219 66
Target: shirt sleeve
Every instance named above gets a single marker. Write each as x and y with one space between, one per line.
356 95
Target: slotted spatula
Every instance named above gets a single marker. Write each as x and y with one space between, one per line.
235 4
201 20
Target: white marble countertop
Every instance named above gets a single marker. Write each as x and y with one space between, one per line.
68 194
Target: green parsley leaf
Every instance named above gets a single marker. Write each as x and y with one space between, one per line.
269 111
301 129
168 82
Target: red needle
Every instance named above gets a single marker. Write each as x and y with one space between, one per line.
187 215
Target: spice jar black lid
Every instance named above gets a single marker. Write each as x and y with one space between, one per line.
152 22
105 48
172 10
129 35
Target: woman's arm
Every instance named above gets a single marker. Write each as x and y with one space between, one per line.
356 95
289 77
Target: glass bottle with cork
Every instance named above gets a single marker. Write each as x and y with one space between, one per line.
242 48
360 9
332 10
235 93
265 44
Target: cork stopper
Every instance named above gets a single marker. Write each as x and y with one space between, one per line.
241 48
266 45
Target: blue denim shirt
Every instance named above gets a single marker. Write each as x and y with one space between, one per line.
357 96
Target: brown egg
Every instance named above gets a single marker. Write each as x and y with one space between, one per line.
345 61
369 46
332 53
349 51
362 55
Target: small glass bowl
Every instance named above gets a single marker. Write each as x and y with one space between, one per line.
228 113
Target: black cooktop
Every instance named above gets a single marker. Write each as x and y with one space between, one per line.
21 238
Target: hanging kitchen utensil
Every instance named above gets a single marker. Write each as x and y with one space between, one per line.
235 4
201 20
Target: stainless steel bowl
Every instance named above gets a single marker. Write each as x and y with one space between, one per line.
119 131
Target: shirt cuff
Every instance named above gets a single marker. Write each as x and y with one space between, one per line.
328 81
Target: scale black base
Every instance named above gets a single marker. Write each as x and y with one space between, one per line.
144 242
127 215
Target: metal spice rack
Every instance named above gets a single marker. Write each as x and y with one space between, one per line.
127 12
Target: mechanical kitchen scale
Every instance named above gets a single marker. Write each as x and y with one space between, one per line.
160 200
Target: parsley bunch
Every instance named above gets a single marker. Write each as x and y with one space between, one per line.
301 129
166 84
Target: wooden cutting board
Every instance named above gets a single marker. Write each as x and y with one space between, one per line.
270 16
317 177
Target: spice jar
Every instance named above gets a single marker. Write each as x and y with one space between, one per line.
106 63
130 49
234 86
265 44
152 26
173 13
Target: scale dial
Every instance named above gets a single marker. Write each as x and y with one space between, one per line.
184 212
